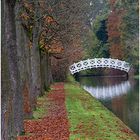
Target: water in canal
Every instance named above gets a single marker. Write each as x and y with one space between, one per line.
119 95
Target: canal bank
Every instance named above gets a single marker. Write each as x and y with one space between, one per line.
118 94
90 120
68 112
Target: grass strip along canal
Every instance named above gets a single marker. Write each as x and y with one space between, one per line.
67 112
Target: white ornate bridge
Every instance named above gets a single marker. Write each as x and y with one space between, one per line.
99 63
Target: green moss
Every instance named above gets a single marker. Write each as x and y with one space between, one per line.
90 120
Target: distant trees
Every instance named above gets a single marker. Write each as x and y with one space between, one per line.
121 35
129 31
123 30
96 40
114 34
73 18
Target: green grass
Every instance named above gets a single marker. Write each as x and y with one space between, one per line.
41 108
70 78
90 120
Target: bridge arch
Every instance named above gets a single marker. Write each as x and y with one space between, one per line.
99 63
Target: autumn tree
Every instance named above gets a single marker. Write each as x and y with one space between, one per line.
114 33
76 16
40 40
123 30
12 99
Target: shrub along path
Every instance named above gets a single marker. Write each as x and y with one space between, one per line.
54 124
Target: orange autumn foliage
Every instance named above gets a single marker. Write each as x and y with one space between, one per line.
47 38
114 33
71 54
55 47
116 51
48 19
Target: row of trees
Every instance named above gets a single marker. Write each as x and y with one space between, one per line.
40 39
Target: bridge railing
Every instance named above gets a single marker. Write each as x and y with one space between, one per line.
99 62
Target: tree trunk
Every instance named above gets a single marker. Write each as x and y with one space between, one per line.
23 64
12 120
46 75
35 59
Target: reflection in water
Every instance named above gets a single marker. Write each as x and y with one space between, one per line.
118 94
112 91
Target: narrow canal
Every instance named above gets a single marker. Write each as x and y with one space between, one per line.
119 95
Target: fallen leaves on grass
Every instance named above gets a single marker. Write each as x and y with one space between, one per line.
55 125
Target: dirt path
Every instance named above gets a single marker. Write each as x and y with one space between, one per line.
55 125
